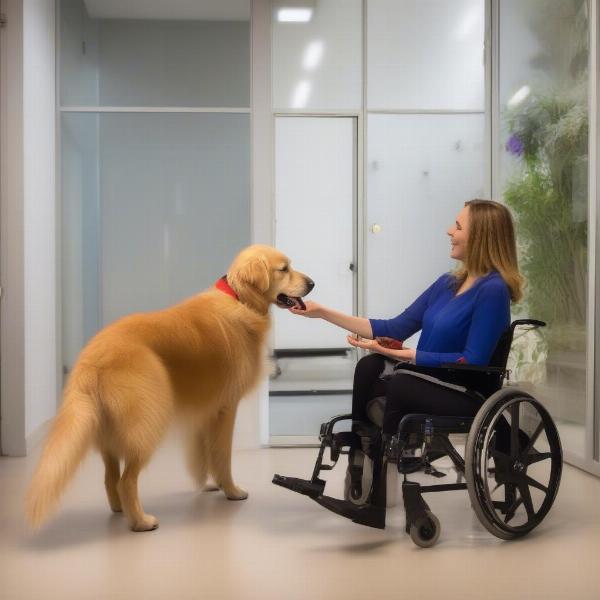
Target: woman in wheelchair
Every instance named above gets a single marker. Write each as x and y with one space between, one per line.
406 401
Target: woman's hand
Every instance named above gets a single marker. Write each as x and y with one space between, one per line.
312 310
375 346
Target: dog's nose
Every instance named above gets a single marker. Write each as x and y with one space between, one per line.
310 284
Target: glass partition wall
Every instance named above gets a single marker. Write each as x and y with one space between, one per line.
460 100
543 147
155 157
387 114
419 152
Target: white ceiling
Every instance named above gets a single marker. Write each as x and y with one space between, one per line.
206 10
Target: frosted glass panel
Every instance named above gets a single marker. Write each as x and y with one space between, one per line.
544 180
80 231
133 62
303 415
421 169
314 200
317 63
155 206
426 54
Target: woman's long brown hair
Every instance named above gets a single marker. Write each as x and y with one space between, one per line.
492 245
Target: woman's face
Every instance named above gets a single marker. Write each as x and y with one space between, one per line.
459 235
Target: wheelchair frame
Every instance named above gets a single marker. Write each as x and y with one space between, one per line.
430 433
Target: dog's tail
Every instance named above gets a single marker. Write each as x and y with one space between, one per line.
70 437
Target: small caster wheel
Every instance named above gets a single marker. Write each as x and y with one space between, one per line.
425 531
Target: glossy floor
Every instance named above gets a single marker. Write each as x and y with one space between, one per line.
281 545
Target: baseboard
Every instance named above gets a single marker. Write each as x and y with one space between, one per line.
293 441
36 437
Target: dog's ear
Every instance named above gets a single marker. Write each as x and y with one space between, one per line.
255 272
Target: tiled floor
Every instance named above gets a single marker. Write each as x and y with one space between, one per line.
281 545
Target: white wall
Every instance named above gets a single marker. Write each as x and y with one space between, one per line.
12 379
29 375
39 168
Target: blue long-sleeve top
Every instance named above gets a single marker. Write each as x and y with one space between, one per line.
463 328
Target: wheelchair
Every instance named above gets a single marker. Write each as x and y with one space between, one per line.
511 466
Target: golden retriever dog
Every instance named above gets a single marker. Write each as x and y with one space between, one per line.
194 360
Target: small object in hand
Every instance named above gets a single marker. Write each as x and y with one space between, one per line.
291 302
356 337
390 343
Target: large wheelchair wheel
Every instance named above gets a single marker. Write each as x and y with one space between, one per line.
513 463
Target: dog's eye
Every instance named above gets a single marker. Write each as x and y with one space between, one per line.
284 269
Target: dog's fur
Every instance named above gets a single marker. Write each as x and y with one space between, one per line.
196 359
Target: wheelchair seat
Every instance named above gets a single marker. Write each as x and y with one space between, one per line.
512 461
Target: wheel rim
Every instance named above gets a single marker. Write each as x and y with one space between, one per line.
516 476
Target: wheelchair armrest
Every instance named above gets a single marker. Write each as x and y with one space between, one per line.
534 323
327 428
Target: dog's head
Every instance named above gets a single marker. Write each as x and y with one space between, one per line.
262 275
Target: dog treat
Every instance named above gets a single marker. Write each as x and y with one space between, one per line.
390 343
291 301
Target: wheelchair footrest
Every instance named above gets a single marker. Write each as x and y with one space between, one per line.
365 514
312 489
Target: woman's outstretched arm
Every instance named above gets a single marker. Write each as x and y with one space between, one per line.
314 310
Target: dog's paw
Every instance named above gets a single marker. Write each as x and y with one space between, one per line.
146 523
236 493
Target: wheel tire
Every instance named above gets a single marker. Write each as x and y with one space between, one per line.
481 501
425 531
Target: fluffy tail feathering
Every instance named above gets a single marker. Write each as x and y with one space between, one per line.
70 437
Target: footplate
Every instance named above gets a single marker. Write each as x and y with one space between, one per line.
312 489
365 514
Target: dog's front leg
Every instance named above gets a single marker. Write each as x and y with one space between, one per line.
220 453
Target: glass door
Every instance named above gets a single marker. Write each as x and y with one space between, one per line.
426 141
315 199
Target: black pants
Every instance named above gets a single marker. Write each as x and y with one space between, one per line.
406 393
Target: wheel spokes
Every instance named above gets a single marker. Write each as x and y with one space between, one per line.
526 496
514 429
534 437
510 513
536 484
537 457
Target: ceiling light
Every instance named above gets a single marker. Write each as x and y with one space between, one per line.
294 15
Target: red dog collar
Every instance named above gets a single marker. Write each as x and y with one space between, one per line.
222 285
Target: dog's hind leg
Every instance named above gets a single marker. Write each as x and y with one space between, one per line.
128 492
197 456
112 474
220 454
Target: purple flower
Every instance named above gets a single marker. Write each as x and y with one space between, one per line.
514 145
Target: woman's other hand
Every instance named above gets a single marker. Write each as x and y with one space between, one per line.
374 346
313 310
365 343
